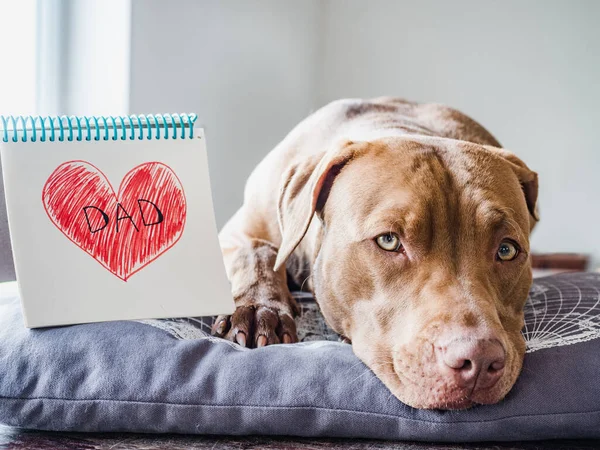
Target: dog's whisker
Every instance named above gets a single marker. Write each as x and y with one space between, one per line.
304 282
365 372
392 226
359 363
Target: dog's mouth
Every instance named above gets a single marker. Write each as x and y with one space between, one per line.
435 393
431 371
426 389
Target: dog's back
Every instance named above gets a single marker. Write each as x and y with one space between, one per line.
359 119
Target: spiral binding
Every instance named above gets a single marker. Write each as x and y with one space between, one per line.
96 128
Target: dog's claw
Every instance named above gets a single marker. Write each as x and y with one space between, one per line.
261 341
221 326
288 331
240 338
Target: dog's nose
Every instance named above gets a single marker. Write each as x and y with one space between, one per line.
477 363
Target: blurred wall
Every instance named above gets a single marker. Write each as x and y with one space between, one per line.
248 69
252 69
527 70
94 73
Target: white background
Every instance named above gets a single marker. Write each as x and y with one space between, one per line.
529 71
18 37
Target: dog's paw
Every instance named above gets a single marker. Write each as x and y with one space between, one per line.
256 325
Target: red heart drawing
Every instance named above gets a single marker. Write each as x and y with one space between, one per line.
123 231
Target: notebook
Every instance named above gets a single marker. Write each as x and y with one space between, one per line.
111 218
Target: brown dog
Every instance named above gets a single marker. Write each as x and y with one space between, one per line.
419 251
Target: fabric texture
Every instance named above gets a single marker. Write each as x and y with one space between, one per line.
170 376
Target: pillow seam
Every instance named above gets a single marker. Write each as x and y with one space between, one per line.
298 407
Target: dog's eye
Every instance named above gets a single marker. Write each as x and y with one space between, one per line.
390 242
507 251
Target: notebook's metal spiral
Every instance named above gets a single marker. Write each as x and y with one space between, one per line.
96 128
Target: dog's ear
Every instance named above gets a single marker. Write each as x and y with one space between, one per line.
529 183
303 191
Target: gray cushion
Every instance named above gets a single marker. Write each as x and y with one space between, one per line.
169 376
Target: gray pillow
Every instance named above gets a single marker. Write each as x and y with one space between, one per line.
169 376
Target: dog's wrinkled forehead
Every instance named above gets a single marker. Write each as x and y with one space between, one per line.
416 187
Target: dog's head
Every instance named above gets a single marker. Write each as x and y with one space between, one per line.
422 261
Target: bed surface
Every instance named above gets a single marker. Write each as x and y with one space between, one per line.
572 296
12 438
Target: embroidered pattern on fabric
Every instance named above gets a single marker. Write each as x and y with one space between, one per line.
557 313
560 312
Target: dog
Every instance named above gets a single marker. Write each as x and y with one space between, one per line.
410 224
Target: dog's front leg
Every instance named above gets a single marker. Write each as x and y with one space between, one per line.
265 309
